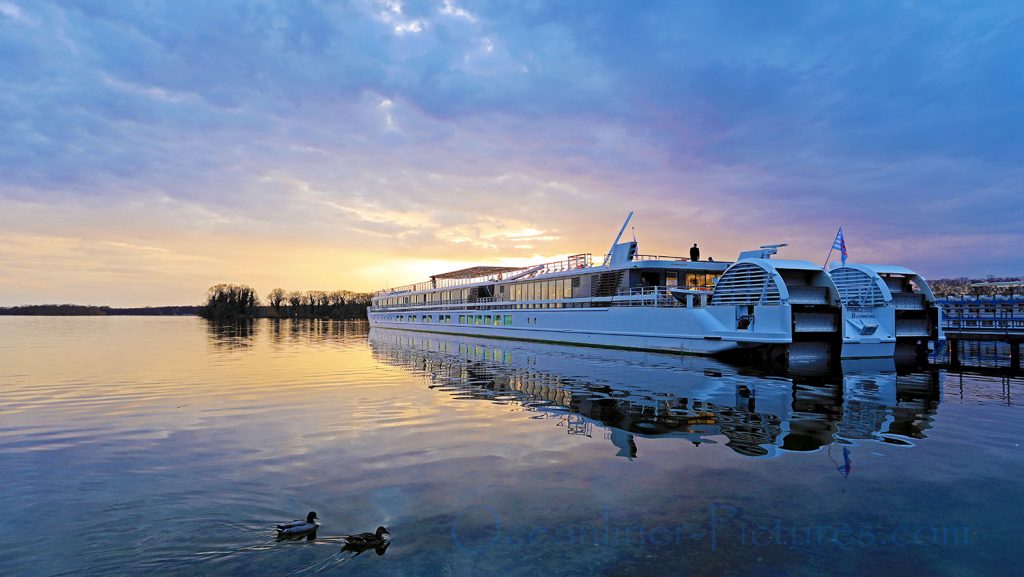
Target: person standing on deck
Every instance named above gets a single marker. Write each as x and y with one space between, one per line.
694 252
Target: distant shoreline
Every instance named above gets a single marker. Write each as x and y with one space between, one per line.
264 312
68 310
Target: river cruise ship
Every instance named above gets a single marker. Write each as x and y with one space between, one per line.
673 304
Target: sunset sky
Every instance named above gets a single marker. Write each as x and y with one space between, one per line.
151 149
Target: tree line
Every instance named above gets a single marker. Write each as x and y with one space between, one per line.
66 310
961 287
234 301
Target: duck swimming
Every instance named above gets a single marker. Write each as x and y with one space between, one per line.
299 528
360 542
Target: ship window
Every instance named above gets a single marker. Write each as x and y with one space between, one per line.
487 319
479 319
462 319
567 288
671 279
508 320
497 320
700 280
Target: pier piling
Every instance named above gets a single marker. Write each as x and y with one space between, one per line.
954 352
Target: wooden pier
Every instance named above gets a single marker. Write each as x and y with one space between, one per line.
954 338
984 319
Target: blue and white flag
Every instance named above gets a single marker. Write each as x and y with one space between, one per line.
840 245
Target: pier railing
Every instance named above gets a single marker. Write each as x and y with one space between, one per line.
983 314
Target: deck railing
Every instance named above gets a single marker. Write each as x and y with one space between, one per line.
659 257
574 262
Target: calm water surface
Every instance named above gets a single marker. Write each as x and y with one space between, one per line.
171 446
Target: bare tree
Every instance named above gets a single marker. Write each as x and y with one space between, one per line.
275 298
294 299
316 301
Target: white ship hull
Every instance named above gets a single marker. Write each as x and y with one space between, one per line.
676 330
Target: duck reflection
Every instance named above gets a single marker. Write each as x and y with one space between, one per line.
635 394
308 536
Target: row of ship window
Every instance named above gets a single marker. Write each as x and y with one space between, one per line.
527 291
484 320
556 289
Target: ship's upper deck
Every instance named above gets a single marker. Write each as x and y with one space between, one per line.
572 265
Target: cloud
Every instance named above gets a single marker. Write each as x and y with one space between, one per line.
11 11
441 130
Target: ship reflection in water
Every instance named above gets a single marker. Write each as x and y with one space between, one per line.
624 394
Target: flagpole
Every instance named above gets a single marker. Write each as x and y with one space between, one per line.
831 249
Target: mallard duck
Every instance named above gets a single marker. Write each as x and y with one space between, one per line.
299 527
360 542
